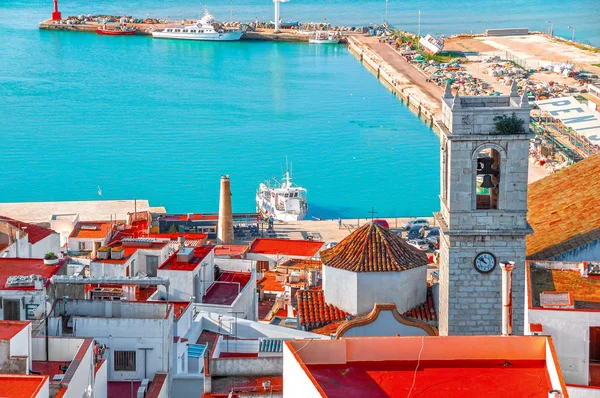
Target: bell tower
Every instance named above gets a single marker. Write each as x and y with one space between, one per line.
483 207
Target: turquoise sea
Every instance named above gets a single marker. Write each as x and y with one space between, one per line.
162 120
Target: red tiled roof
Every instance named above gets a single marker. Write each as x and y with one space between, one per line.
302 263
300 248
425 311
25 267
269 282
99 230
314 312
9 329
562 210
34 232
21 386
172 264
373 248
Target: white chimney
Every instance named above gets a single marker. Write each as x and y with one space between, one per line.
181 240
507 269
554 394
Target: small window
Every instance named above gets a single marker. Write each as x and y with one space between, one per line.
82 246
124 361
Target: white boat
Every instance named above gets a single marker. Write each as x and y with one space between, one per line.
285 202
204 29
324 38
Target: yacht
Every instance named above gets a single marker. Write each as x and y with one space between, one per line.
284 202
204 29
324 38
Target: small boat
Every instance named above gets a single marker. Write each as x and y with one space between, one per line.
325 38
120 31
204 29
284 202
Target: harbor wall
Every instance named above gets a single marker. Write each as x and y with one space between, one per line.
376 65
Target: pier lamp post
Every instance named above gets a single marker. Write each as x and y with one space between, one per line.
573 35
386 12
551 28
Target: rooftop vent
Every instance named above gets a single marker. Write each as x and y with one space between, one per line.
117 253
103 253
556 300
185 255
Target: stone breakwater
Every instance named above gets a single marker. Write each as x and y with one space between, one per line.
401 83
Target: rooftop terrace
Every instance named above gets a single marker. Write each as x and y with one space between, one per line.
25 267
564 277
227 288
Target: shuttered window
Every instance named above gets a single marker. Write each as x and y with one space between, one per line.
262 266
124 361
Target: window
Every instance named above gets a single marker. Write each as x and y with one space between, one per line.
487 179
124 361
82 246
594 356
262 266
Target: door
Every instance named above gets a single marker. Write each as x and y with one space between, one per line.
12 310
151 265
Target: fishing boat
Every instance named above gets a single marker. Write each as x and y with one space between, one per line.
120 31
284 202
204 29
324 38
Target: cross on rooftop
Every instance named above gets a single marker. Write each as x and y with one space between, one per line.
373 212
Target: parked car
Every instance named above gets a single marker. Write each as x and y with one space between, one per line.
433 236
383 223
419 244
417 221
416 232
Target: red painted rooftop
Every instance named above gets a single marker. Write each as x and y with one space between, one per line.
9 329
300 248
21 386
25 267
35 233
179 308
226 293
172 264
230 250
478 378
99 231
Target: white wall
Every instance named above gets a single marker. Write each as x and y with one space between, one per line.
340 288
587 252
296 382
45 390
131 334
385 325
582 392
20 248
406 289
234 264
100 386
50 243
83 377
244 304
570 334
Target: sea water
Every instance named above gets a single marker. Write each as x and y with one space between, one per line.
162 120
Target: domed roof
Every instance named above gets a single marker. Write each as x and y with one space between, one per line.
373 248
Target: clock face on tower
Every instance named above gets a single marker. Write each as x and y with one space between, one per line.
485 262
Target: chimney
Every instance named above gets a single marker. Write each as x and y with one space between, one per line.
181 240
225 226
507 269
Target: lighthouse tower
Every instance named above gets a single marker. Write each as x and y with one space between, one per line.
56 16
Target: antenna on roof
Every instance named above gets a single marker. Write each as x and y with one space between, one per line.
99 191
373 212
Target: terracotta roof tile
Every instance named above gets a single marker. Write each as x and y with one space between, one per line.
425 311
561 210
35 232
314 312
373 248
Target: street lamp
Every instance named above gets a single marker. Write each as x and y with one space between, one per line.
572 36
551 28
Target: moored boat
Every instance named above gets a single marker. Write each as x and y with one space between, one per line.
204 29
121 31
324 38
285 202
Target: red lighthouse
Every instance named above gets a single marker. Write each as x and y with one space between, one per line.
56 14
